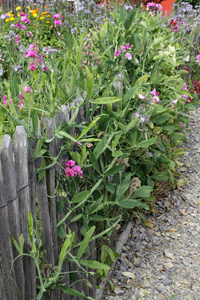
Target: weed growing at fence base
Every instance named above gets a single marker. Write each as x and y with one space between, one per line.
118 85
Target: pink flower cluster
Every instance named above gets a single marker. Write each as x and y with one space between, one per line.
20 26
155 94
198 58
90 57
57 18
72 169
32 52
24 18
154 6
174 25
124 48
6 101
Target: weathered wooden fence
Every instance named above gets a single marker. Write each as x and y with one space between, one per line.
20 192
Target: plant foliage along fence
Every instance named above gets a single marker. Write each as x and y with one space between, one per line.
24 192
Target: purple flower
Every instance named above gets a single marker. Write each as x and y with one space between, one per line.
117 52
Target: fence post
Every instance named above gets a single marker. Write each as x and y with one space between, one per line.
13 207
21 167
7 276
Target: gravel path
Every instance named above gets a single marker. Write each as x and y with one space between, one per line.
164 262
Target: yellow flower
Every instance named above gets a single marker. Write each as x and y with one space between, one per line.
18 14
91 28
12 19
104 19
41 18
48 16
47 22
34 15
51 26
44 13
28 7
8 14
18 7
7 20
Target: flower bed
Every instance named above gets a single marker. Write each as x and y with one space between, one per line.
137 76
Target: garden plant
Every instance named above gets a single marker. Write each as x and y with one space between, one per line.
137 74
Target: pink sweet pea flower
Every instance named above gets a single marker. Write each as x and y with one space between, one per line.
56 16
76 169
154 92
25 20
141 96
33 66
175 101
27 89
69 172
70 163
128 56
117 52
21 104
80 174
57 22
21 96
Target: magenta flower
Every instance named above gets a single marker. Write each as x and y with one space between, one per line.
56 16
29 34
21 96
17 40
80 174
25 20
33 66
70 163
57 22
175 101
69 172
128 56
27 89
198 58
76 169
21 104
117 52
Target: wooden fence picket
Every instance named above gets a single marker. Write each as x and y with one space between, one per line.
22 176
7 276
13 208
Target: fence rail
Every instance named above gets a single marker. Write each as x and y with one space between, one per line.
19 193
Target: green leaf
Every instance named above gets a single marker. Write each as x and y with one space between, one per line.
129 19
66 135
60 206
92 264
88 128
80 196
106 100
146 143
18 247
131 125
71 291
190 107
115 142
94 162
123 187
114 170
143 192
117 153
130 94
132 203
18 122
159 79
160 176
160 119
85 242
171 177
89 83
64 250
142 79
109 187
42 170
